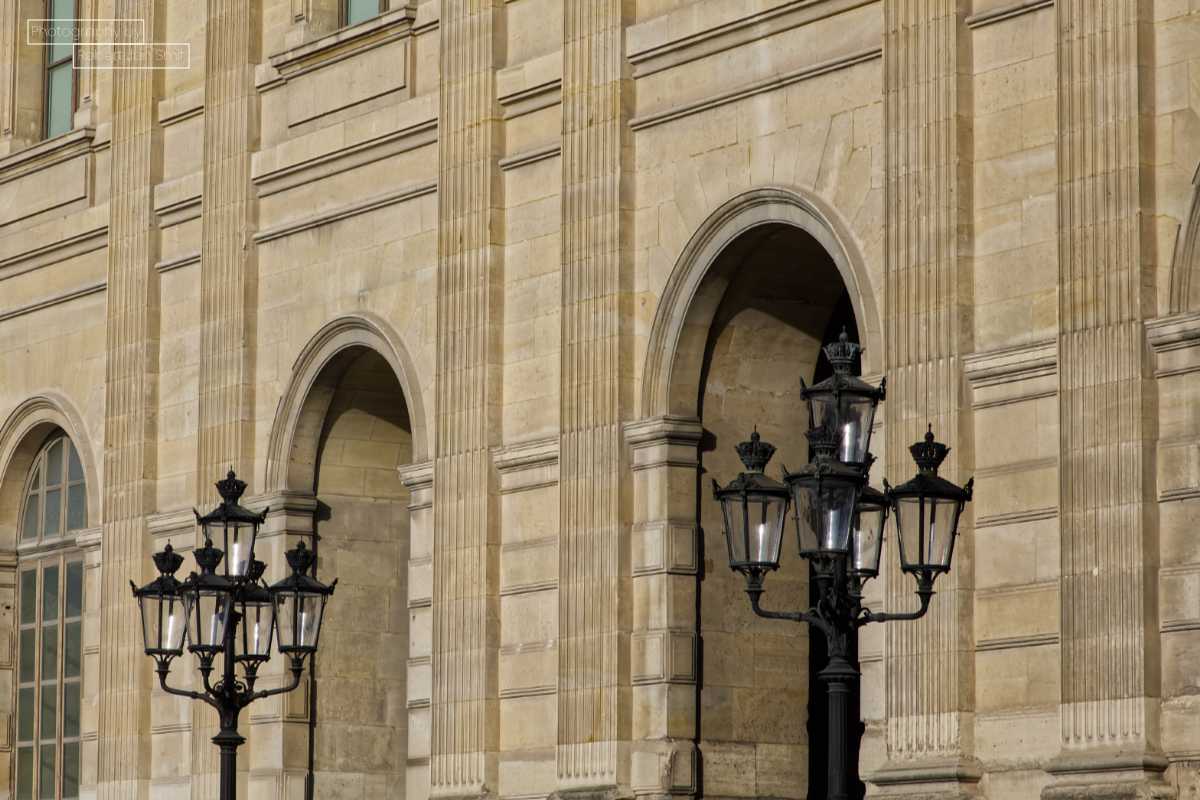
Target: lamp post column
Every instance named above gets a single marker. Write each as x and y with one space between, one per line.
228 739
839 677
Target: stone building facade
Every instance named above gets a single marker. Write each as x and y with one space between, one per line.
483 291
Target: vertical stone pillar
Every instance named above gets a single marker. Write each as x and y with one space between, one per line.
130 425
465 706
1110 668
929 681
228 288
664 565
8 55
593 643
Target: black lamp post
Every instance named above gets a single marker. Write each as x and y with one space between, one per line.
839 523
232 614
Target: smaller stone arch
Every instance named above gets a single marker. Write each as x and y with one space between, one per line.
311 387
676 344
1186 260
21 436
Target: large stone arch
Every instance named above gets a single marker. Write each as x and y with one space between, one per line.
21 434
675 350
305 401
1186 260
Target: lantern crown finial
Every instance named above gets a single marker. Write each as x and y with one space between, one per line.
300 558
231 488
168 561
928 453
208 557
823 444
754 454
842 353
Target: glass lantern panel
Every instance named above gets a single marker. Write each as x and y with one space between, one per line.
823 515
256 627
867 541
206 618
849 417
735 528
941 523
239 546
285 618
908 530
308 623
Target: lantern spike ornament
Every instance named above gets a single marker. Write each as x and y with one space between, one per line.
839 522
226 609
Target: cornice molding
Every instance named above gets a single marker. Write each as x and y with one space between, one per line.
410 192
1012 374
54 300
1010 11
756 87
1171 338
344 43
69 145
677 37
530 157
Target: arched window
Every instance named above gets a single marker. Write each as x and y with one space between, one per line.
50 625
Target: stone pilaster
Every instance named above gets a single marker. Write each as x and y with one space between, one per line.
130 424
664 566
1109 617
593 647
464 704
228 288
929 682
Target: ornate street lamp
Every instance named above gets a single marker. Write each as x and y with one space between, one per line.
840 524
230 613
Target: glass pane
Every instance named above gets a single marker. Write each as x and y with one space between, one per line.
28 597
25 715
46 788
53 521
49 726
70 771
49 652
54 463
75 471
29 529
359 10
60 99
309 623
28 655
75 589
50 594
25 773
76 507
72 650
71 710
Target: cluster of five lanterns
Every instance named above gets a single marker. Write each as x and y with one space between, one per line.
839 520
226 604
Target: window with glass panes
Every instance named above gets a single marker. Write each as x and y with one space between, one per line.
50 625
59 104
355 11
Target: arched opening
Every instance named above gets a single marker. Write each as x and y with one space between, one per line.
767 303
352 432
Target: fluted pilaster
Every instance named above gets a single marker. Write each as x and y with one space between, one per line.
228 287
929 680
464 705
593 648
1109 633
131 393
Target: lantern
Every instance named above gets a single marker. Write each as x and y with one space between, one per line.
299 604
866 535
927 509
824 495
234 526
254 604
754 507
843 403
162 607
208 600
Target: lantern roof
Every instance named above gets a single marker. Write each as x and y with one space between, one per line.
168 562
230 509
842 355
755 454
300 559
929 455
